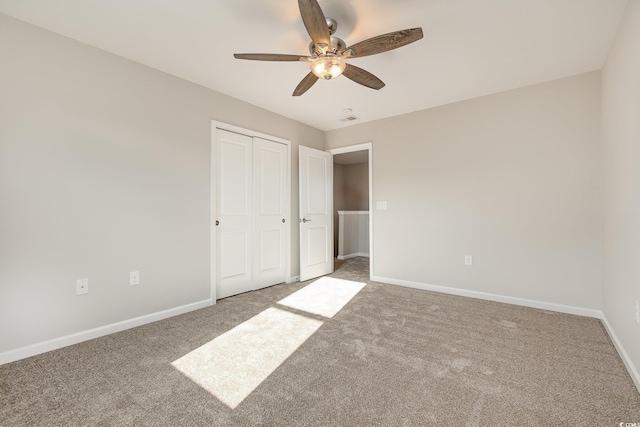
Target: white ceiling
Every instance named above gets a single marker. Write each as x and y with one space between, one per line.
471 47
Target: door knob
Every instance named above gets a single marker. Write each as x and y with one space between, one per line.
306 220
283 220
217 222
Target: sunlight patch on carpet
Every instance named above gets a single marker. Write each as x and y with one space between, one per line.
324 297
232 365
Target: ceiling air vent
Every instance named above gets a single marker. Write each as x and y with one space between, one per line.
349 116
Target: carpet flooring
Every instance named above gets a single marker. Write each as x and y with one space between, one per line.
391 356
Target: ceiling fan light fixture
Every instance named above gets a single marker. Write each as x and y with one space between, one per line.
327 53
328 67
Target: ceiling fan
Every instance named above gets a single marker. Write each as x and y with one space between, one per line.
328 53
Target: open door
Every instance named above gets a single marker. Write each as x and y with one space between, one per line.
316 213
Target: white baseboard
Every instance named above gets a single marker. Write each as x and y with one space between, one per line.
587 312
633 371
343 257
56 343
292 280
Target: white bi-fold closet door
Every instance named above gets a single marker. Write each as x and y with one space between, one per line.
251 220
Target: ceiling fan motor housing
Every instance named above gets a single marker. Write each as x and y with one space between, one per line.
332 24
337 44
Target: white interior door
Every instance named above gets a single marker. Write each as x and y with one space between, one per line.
251 192
270 207
316 213
234 213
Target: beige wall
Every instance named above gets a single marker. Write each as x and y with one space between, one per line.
621 134
356 187
105 169
338 201
514 179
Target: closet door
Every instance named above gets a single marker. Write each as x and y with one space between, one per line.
270 204
251 203
234 214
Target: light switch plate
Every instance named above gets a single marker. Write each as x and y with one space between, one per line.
381 205
134 278
468 260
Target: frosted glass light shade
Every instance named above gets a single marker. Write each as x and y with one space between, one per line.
328 67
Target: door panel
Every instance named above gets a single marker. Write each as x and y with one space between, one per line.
270 259
233 199
235 173
269 185
317 245
316 218
232 258
270 205
316 185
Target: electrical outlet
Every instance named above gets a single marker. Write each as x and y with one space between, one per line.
82 286
468 260
637 316
134 278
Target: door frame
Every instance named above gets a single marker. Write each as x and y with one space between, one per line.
368 146
215 125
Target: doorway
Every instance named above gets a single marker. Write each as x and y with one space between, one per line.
352 200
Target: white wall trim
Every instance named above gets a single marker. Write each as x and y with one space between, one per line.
580 311
343 257
351 148
353 212
78 337
628 363
292 280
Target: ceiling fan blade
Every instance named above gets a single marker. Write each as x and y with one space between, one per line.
383 43
305 84
363 77
315 23
270 57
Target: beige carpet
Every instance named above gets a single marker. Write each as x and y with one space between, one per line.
363 355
